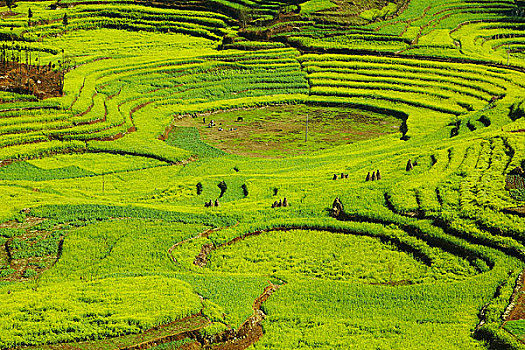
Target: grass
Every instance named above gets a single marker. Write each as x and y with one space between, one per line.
281 130
91 308
175 327
516 328
316 5
313 255
96 163
391 319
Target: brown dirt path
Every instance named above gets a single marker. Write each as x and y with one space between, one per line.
516 309
187 328
176 330
248 333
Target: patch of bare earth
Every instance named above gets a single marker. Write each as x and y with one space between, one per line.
41 81
516 310
285 134
7 14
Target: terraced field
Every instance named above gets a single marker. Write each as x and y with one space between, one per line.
262 174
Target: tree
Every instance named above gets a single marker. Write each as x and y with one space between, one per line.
391 268
223 187
29 16
10 4
245 16
409 166
66 62
199 188
65 20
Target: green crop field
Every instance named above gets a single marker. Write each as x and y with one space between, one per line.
255 174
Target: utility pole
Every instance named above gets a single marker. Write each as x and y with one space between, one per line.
103 183
508 54
62 73
306 135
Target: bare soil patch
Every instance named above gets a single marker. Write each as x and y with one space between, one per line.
40 81
518 311
6 14
279 131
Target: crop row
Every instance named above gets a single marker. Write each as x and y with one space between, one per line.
129 24
259 9
428 25
109 101
433 86
131 17
405 64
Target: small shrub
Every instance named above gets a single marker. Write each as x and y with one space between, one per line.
11 232
199 188
29 273
374 14
518 194
223 187
7 272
